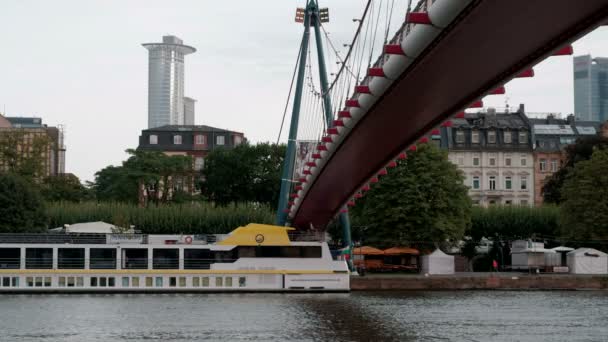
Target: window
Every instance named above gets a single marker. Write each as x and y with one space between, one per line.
125 281
507 137
524 183
553 165
39 258
6 282
172 282
103 281
148 281
15 281
476 182
228 282
71 282
135 258
62 282
220 140
196 282
523 137
182 281
93 281
543 165
70 258
237 140
508 183
475 137
10 258
475 161
523 202
177 140
492 183
492 161
492 137
199 163
523 161
165 258
205 281
459 137
102 258
460 161
47 281
508 202
199 139
29 281
135 281
218 282
79 281
507 161
159 281
153 139
242 281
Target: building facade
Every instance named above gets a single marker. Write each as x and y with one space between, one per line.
189 111
28 135
591 88
551 136
494 150
166 81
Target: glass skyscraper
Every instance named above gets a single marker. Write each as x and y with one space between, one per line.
166 81
591 88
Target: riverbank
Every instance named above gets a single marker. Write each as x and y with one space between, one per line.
479 281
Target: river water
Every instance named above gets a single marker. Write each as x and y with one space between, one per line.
358 316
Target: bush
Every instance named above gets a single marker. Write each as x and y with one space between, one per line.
514 222
196 218
21 206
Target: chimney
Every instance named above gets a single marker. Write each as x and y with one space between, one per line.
570 119
522 108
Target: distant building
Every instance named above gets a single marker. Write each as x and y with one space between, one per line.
26 130
550 136
591 88
193 141
189 111
166 81
494 150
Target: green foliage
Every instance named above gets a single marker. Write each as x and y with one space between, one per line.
582 150
164 219
247 173
513 222
65 187
584 214
21 206
422 201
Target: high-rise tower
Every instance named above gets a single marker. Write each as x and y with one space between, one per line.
166 81
591 88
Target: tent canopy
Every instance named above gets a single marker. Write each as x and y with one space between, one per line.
438 263
588 261
367 250
401 251
562 249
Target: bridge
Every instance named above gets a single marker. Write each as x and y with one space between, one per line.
443 59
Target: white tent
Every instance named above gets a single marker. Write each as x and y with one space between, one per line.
588 261
438 263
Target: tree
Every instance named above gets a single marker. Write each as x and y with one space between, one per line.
66 187
30 163
582 150
420 202
584 208
247 173
21 206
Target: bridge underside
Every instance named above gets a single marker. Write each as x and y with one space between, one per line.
487 45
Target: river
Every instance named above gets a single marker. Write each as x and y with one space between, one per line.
358 316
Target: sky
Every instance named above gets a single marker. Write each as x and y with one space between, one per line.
81 64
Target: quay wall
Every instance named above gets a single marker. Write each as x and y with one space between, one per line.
479 282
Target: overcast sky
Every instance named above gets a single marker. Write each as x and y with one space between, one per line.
81 64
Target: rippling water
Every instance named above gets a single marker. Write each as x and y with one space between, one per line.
358 316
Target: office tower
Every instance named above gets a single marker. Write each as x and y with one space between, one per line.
189 110
591 88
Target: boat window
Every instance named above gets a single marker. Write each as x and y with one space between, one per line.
6 281
125 281
282 251
165 259
228 281
39 258
62 281
148 281
205 281
111 281
135 281
196 282
135 258
172 282
79 281
15 281
102 258
159 281
47 281
38 281
218 282
182 281
103 281
30 281
70 258
197 259
10 258
71 282
242 281
93 281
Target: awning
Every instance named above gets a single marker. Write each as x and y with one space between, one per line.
367 250
401 251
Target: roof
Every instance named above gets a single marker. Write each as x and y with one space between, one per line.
255 234
562 249
534 250
438 253
98 227
367 250
401 250
188 128
587 252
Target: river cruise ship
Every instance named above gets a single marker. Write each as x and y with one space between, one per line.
255 257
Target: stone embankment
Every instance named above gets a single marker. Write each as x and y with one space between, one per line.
479 281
